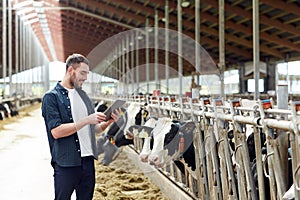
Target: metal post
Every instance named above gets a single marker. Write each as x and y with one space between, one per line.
17 51
179 24
255 25
21 55
242 87
31 67
46 76
282 96
131 70
123 68
147 54
10 48
222 46
26 55
137 63
197 39
127 67
4 49
287 68
156 50
23 66
167 45
120 68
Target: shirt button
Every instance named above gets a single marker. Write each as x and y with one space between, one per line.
71 118
68 106
76 141
78 150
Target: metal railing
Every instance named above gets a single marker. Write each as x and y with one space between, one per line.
223 172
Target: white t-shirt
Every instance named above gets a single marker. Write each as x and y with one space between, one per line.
79 111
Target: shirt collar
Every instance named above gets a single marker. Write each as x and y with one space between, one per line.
60 87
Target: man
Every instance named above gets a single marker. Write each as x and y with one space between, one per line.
71 123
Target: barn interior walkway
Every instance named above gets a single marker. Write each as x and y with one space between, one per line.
25 170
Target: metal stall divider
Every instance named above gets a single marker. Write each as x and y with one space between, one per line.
214 180
295 142
190 175
278 122
194 177
272 153
197 111
229 188
215 176
246 187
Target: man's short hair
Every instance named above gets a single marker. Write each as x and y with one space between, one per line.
76 58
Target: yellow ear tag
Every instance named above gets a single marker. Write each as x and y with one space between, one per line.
145 114
112 141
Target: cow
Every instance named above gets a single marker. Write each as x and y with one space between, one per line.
144 132
115 137
101 106
252 156
8 109
171 140
290 194
3 111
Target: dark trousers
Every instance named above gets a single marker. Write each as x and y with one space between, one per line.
81 179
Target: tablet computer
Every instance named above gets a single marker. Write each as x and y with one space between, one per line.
117 104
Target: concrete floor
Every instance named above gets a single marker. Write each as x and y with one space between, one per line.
25 170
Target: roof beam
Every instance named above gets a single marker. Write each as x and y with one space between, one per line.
229 37
282 5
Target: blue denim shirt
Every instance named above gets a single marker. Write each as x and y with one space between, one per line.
56 110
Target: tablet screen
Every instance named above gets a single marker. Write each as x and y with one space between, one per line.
117 104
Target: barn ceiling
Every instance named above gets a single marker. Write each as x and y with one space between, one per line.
80 25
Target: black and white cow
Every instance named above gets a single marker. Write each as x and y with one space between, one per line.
171 140
7 109
178 143
144 132
116 137
252 156
101 106
3 112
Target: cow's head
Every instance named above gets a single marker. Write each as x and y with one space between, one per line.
136 115
144 132
172 142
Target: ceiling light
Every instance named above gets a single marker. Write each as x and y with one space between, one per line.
185 3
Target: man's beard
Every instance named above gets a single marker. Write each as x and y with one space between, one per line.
73 82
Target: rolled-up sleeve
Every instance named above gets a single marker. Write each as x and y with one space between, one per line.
50 111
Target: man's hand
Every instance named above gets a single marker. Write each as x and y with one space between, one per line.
116 115
96 118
